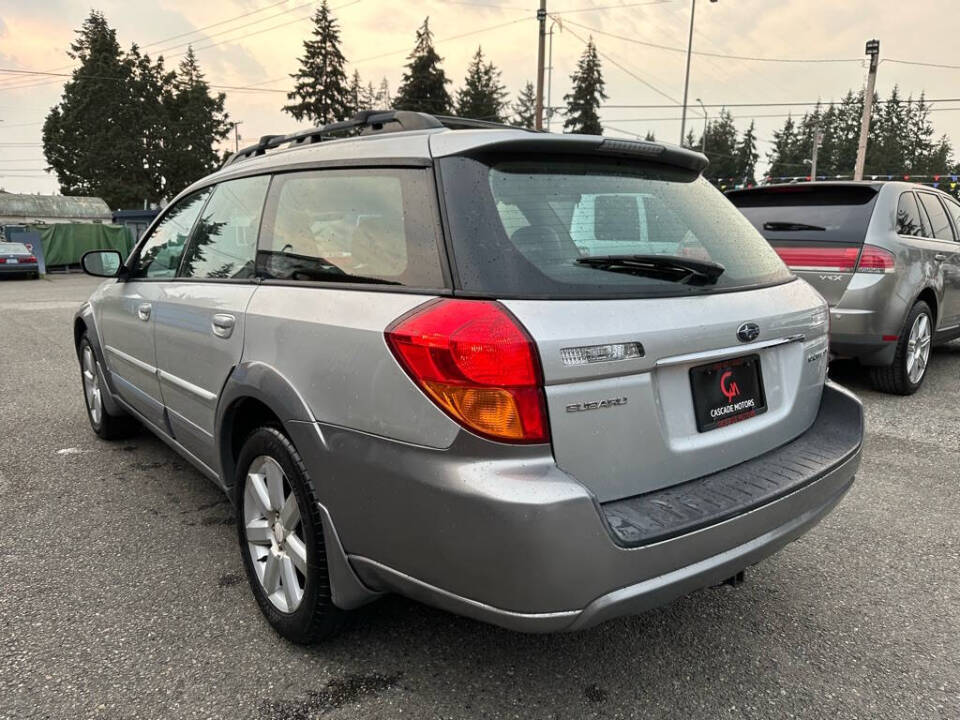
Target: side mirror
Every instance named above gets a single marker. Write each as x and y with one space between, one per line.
102 263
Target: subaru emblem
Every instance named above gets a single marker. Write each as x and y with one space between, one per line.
748 332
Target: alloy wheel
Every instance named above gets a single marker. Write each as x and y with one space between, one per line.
91 385
273 529
918 348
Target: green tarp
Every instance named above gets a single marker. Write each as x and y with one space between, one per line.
65 243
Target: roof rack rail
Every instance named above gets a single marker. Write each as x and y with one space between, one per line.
364 123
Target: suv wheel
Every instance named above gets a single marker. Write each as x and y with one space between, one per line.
105 425
281 539
909 368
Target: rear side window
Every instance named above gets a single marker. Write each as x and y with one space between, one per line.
954 209
14 248
938 217
352 226
809 211
224 242
160 254
524 227
908 216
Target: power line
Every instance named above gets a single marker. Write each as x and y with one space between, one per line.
607 7
216 24
629 72
737 117
921 64
712 54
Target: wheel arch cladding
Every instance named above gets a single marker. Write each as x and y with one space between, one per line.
254 395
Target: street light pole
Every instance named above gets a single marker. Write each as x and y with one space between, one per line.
703 140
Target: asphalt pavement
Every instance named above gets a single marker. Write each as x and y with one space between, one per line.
122 592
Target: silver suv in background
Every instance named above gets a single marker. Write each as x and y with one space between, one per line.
538 380
885 255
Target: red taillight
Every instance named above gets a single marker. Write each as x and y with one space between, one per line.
28 259
474 360
843 259
875 260
3 261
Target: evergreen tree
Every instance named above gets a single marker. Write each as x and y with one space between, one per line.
321 94
650 136
785 160
147 118
746 156
383 99
525 108
368 98
583 103
85 137
483 96
355 94
197 122
690 142
721 147
424 86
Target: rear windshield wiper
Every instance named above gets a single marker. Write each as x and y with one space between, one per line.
788 226
673 268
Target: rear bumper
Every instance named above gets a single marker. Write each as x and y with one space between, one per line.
518 543
872 307
18 269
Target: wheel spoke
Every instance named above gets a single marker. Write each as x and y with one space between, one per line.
291 585
297 551
271 574
259 494
290 512
274 484
258 532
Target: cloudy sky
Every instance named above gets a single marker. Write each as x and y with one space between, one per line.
255 43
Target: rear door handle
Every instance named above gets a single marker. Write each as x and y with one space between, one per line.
939 257
143 311
223 325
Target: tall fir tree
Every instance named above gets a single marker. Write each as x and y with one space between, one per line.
583 104
355 94
483 95
784 157
321 93
197 123
746 156
525 107
650 136
85 137
383 98
424 86
720 147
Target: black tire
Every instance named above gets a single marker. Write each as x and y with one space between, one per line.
105 425
316 618
894 378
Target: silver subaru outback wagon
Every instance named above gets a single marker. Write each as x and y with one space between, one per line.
538 380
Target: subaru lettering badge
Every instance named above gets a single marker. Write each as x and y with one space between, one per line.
748 332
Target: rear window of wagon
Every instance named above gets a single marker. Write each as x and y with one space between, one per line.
519 225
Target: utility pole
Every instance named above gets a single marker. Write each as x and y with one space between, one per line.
686 77
236 136
542 19
817 142
548 111
873 50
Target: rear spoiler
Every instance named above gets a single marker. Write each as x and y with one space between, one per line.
468 143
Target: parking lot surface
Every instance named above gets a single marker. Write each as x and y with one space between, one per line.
122 592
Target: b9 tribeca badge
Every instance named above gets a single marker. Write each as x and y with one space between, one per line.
596 405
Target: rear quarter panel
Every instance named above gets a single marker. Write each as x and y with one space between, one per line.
329 345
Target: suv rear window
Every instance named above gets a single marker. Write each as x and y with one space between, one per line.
519 226
809 211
